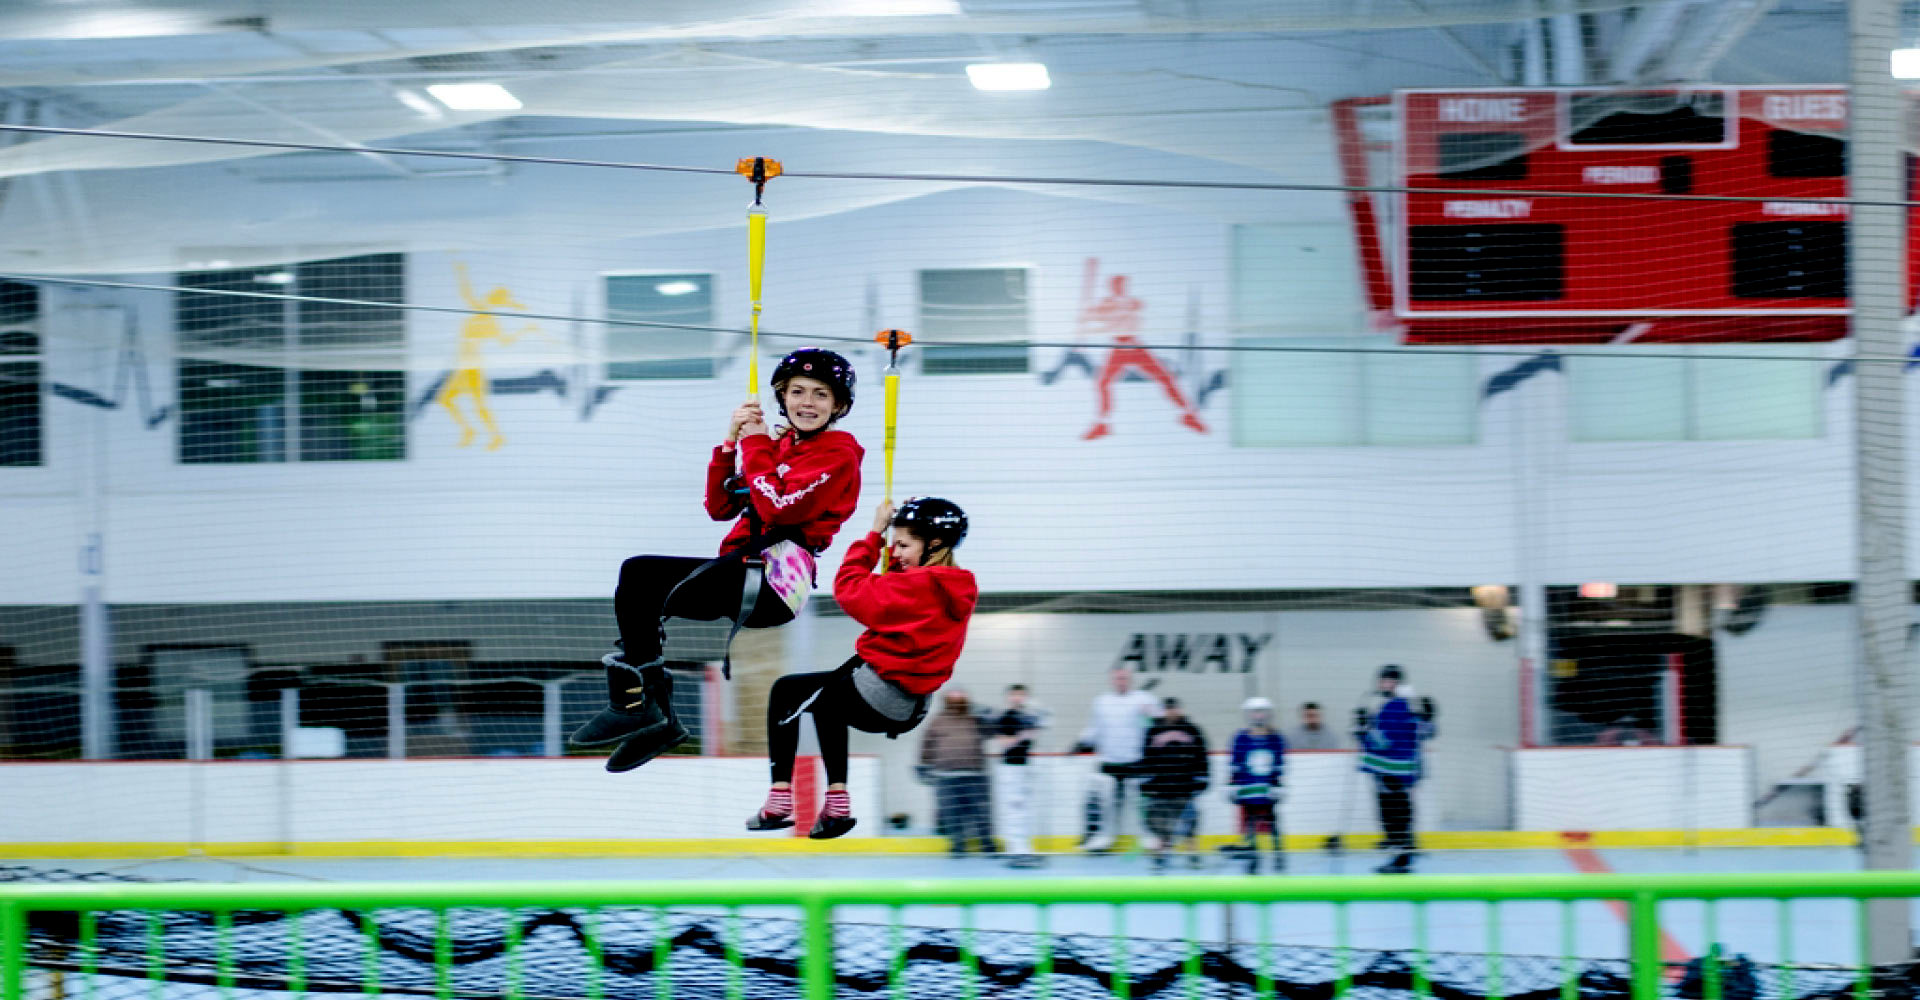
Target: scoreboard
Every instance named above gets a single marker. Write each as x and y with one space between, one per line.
1486 228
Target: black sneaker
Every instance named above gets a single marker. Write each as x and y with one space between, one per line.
1399 864
761 821
635 700
829 827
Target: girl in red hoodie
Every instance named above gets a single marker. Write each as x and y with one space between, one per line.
916 617
787 491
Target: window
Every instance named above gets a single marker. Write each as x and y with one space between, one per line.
1305 397
19 374
643 352
987 308
1701 395
284 380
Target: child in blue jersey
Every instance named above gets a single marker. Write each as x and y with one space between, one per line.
1390 738
1259 757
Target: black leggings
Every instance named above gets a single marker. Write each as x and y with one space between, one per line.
640 601
1395 797
836 707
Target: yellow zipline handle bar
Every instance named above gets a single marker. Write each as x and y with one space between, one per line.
759 170
894 341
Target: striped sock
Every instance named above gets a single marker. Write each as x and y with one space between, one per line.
838 805
779 802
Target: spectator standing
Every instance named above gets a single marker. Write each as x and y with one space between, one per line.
1012 731
1116 735
1173 769
1391 735
1314 733
1255 772
953 758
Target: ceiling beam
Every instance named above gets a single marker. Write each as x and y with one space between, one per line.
387 162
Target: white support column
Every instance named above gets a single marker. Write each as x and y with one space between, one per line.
289 720
1883 595
199 724
552 699
396 721
1569 47
100 326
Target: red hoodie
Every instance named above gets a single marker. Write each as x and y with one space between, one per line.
811 483
916 617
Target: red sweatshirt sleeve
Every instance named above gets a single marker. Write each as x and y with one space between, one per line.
874 601
811 483
721 504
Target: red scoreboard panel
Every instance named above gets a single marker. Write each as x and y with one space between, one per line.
1487 247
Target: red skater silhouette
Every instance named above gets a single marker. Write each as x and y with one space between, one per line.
1119 314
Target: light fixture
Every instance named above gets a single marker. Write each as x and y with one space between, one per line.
1599 591
419 104
676 288
274 278
1906 64
474 96
1009 76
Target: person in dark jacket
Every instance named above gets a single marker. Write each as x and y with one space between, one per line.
1174 770
953 757
1390 737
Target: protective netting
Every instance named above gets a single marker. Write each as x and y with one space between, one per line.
651 953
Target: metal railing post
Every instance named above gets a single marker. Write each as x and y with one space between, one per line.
816 956
13 950
1643 944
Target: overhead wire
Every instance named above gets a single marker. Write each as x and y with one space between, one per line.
1628 351
939 178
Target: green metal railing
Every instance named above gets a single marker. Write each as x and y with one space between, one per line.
817 902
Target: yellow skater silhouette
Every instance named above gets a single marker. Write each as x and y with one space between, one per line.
469 376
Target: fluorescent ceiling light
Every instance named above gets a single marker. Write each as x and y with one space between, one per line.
1906 64
676 288
1009 76
474 96
419 103
274 278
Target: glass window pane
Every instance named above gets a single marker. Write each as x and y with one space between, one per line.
20 413
1623 398
984 305
1295 397
1754 397
352 416
1415 398
639 352
232 413
369 278
231 321
19 318
1294 279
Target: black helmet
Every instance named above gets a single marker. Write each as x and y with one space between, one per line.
1392 672
819 364
938 522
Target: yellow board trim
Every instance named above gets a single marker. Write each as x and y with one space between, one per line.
1444 840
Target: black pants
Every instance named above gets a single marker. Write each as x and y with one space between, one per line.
836 706
1395 797
964 805
641 600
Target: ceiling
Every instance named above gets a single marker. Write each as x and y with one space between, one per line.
1232 90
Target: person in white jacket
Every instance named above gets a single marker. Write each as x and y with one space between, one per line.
1116 735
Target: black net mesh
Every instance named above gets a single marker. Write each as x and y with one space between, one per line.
654 953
